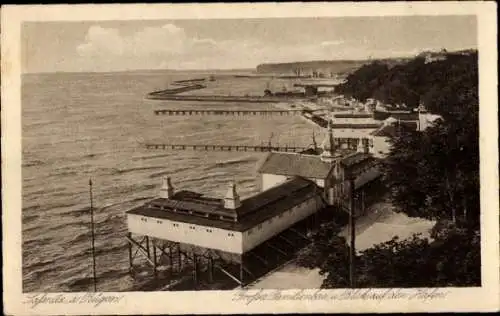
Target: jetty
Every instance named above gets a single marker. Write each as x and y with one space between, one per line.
180 86
169 96
233 147
178 112
345 142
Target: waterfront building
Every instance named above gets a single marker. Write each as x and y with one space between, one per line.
229 231
329 169
230 224
232 230
393 126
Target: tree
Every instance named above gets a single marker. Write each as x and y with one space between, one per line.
452 259
328 252
435 174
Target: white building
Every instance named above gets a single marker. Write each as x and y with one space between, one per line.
230 225
390 128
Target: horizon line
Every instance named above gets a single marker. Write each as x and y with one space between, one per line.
368 58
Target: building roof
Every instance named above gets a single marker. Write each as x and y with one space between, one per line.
385 131
353 115
391 129
355 125
367 176
402 115
355 159
253 210
292 164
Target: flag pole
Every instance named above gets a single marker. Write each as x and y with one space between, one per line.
93 237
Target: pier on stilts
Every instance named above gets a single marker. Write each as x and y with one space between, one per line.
261 148
351 143
228 112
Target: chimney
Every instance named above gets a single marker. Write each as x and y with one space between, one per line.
232 199
366 145
167 190
359 145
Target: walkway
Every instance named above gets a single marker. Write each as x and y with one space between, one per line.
379 225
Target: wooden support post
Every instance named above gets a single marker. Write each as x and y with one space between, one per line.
155 262
179 258
260 258
307 225
130 257
242 272
276 248
362 201
170 261
210 269
286 240
140 248
298 233
147 247
229 275
195 268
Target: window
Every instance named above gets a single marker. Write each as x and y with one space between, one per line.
230 234
192 227
260 226
209 230
144 219
159 222
176 225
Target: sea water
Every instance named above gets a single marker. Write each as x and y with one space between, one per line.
77 126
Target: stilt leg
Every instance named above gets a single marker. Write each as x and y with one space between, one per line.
147 247
195 268
210 269
241 272
130 257
155 262
170 261
179 258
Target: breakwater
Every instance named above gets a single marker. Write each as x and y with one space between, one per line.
172 94
180 86
220 98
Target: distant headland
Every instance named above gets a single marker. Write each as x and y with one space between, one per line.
321 67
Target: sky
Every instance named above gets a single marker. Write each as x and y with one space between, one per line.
233 43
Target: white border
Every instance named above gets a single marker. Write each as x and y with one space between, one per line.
485 298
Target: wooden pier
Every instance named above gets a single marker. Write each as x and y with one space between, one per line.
351 143
229 112
285 148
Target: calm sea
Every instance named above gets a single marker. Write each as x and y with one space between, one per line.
88 125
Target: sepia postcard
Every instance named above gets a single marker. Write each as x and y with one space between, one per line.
250 158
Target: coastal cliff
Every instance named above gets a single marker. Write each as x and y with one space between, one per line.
322 67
